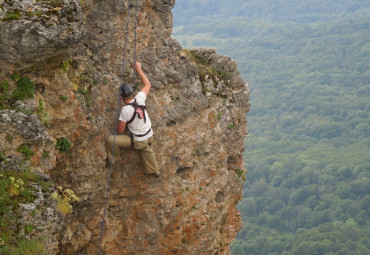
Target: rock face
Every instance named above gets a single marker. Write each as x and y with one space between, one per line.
38 33
197 105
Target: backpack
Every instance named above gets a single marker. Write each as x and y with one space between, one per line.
139 111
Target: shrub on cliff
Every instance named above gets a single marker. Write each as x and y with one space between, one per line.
63 144
64 198
25 89
4 85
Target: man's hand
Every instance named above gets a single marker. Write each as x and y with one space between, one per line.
138 67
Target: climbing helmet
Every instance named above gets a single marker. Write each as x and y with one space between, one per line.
126 90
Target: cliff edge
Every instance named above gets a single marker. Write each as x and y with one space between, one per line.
72 52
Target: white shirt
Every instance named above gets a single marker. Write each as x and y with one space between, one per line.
138 126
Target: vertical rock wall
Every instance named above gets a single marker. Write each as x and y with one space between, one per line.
199 122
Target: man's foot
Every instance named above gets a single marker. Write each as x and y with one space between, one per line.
156 175
107 163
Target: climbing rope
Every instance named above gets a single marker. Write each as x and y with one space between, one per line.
118 112
135 45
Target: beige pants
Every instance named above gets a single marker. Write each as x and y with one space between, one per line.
145 148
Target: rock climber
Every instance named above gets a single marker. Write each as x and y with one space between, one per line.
135 117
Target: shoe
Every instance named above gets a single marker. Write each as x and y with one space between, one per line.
107 163
156 175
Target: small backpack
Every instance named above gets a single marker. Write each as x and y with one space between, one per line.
139 111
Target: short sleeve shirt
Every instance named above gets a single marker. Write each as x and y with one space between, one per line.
138 126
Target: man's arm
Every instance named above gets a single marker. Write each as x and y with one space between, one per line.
121 127
144 79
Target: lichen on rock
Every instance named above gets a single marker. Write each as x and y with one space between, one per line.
198 111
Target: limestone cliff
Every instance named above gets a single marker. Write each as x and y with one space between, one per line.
72 51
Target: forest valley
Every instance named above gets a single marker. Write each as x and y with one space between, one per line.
307 189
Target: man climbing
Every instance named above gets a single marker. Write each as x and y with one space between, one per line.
135 117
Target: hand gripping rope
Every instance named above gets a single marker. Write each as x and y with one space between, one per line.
118 111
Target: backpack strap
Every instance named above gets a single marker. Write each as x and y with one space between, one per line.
134 105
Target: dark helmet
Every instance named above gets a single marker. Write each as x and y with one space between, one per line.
126 90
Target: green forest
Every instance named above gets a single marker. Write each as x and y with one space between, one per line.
308 148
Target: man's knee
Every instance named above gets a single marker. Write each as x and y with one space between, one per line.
110 140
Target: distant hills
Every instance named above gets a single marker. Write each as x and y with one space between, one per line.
192 12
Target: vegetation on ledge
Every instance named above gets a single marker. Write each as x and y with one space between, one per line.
18 188
205 69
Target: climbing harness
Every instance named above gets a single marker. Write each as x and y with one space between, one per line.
118 111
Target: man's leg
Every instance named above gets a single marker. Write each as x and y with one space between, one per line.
147 156
122 141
